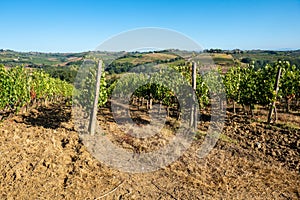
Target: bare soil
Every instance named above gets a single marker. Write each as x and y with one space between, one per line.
42 157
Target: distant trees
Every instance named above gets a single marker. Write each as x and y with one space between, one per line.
67 73
213 50
234 51
117 67
246 60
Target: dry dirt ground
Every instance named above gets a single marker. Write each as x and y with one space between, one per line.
42 157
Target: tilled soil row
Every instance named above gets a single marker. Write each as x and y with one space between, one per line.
42 157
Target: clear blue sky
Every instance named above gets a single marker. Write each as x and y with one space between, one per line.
75 26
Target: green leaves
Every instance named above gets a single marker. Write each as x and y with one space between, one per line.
232 81
249 86
85 86
18 86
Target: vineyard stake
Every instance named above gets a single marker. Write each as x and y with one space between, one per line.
276 88
93 119
193 121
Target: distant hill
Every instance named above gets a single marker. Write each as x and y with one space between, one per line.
119 62
131 60
37 59
262 57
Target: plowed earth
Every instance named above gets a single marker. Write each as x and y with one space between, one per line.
42 157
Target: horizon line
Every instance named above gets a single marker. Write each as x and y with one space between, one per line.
85 51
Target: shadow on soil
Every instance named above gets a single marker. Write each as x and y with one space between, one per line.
48 117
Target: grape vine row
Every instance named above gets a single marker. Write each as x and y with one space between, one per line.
19 87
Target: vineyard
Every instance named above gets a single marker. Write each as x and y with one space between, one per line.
21 88
42 155
246 86
243 85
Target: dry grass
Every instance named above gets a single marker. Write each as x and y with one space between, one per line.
51 163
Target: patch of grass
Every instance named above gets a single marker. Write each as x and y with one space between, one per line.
225 138
288 125
201 134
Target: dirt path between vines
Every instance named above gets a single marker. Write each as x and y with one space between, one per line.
43 158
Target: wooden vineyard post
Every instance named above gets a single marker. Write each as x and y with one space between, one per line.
193 121
276 88
93 119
